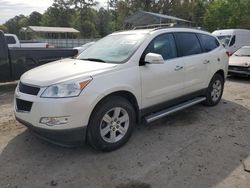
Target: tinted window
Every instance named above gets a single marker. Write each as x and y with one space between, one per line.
209 43
10 40
188 44
163 45
232 41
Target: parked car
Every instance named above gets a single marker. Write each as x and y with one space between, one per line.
239 62
233 39
15 61
13 42
84 47
123 79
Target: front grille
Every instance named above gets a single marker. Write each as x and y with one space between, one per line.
28 89
22 105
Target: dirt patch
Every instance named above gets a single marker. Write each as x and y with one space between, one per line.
134 184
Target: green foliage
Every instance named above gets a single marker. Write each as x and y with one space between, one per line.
34 19
103 22
16 23
3 28
59 14
223 14
84 16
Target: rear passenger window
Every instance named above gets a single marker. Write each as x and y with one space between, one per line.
188 44
163 45
209 43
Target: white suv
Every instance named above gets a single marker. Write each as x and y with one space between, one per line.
121 80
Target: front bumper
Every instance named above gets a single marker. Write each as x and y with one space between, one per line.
68 137
29 109
238 70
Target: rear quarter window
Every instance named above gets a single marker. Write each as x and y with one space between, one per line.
188 44
209 43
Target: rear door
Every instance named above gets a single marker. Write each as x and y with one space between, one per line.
212 53
195 61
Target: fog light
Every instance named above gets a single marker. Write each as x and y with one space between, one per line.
52 121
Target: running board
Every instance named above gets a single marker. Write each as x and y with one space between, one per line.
163 113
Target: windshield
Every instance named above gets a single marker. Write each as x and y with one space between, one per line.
242 52
113 48
225 39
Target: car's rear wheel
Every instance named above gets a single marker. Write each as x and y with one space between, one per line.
111 124
215 90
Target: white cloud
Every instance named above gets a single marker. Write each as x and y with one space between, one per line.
11 8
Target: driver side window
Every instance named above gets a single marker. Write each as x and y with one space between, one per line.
163 45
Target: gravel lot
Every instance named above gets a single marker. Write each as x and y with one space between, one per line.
199 147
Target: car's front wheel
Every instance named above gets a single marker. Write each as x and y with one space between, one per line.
111 124
215 90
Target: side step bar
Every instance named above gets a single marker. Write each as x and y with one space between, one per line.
163 113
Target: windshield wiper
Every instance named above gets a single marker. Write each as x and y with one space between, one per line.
94 59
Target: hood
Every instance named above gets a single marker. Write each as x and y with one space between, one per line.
64 70
239 61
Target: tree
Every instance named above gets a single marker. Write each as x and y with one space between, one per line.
34 19
199 8
59 14
103 22
3 28
15 24
85 15
223 14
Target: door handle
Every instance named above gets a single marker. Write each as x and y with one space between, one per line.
177 68
206 62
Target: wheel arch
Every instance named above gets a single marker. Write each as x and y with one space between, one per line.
222 73
125 94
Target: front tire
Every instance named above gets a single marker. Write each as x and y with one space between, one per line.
111 124
215 90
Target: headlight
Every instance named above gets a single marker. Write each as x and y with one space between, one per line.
65 90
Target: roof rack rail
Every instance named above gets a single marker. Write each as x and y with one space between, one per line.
164 26
154 26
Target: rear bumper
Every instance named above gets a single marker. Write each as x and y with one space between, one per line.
239 70
66 137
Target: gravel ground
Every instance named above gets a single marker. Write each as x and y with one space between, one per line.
198 147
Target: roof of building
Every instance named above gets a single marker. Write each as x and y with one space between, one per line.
144 18
51 29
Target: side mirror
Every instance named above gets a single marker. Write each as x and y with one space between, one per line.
153 58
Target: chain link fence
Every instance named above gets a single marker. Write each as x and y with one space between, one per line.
67 43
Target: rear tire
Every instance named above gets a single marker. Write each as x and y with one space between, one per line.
111 124
214 91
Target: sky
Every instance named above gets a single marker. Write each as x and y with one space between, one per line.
11 8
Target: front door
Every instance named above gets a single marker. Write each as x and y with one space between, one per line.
162 82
